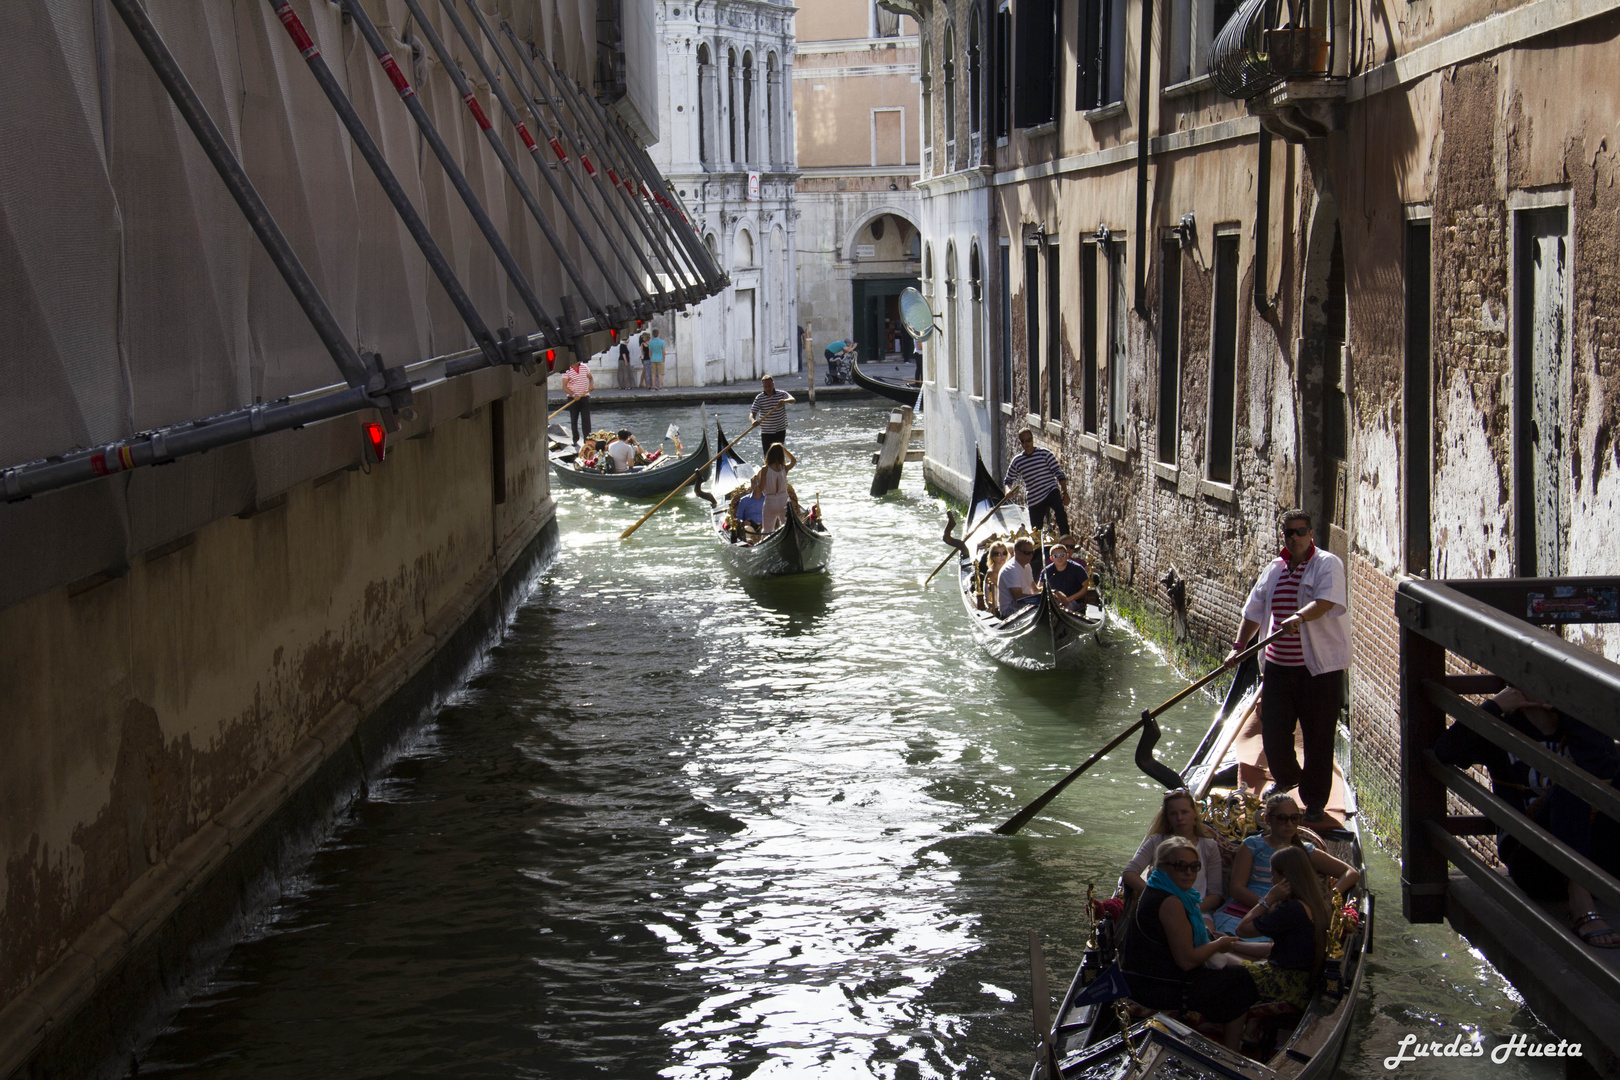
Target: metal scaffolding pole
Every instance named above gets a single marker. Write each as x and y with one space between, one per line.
457 76
648 303
458 179
610 153
492 350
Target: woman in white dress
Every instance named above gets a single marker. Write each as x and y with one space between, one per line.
771 484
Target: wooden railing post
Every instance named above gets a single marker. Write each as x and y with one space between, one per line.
1423 798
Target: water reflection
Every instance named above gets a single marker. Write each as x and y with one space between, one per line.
688 826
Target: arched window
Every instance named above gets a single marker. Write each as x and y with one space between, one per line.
745 248
975 75
976 300
951 352
929 344
706 105
773 108
949 57
927 69
748 107
732 102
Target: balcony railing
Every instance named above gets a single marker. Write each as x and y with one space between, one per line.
1268 42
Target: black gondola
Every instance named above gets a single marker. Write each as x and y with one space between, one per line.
904 393
796 547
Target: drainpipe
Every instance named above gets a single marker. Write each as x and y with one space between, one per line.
1262 224
1144 80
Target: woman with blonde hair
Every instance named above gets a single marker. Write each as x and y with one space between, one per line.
1295 916
1178 816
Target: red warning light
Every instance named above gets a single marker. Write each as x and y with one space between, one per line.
376 441
613 333
551 359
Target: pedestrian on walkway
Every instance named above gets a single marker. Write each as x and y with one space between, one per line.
656 347
646 361
770 409
1046 490
578 382
627 378
1301 591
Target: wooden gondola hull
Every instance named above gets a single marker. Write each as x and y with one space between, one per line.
647 484
905 394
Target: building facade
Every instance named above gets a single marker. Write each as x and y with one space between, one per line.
1368 275
725 100
860 244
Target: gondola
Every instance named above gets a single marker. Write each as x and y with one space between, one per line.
1039 637
793 548
657 479
1085 1039
904 393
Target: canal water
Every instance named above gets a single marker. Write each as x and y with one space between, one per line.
680 825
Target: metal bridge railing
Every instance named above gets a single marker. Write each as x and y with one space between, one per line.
1493 625
1266 42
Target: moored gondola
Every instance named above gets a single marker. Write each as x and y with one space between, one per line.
652 481
1042 636
798 546
1096 1038
906 393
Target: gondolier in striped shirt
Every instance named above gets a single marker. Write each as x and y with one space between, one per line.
577 384
1046 490
770 409
1301 591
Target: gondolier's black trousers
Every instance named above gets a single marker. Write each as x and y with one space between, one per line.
766 438
1292 695
577 412
1052 504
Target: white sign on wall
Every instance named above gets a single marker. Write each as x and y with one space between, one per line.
753 187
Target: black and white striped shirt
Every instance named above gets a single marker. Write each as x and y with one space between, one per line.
771 409
1039 471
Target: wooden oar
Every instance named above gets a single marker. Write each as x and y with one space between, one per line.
1022 818
967 534
567 403
626 534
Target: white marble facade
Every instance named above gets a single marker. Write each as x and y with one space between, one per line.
726 118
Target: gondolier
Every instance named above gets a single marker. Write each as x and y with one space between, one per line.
578 382
770 409
1303 589
1046 489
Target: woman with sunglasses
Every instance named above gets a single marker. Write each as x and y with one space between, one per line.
992 574
1166 947
1251 866
1178 816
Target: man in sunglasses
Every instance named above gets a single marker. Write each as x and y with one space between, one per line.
1301 593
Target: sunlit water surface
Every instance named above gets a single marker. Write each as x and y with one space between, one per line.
684 826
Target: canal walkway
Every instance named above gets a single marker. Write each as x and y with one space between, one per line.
796 383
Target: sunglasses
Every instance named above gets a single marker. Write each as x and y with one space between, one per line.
1192 866
1303 530
1291 818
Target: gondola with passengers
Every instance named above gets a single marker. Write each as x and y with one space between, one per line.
615 463
762 527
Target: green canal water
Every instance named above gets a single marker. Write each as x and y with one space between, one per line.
679 825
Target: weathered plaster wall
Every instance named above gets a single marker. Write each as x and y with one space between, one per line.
138 707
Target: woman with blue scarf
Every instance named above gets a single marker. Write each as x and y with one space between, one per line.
1166 947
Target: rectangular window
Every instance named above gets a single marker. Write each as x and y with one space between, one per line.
1223 360
1054 336
1193 26
1543 384
1002 56
1169 350
1088 337
1419 405
1117 336
1006 324
1100 66
1037 49
1032 325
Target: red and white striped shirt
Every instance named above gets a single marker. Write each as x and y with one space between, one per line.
577 380
1288 650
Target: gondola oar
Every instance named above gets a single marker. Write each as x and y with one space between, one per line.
626 534
967 534
1022 818
567 403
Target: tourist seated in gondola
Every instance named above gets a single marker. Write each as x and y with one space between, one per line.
1251 866
625 452
1015 583
1166 947
770 484
1066 580
1294 915
1178 816
990 591
589 456
1555 808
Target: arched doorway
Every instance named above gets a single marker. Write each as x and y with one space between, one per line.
887 251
